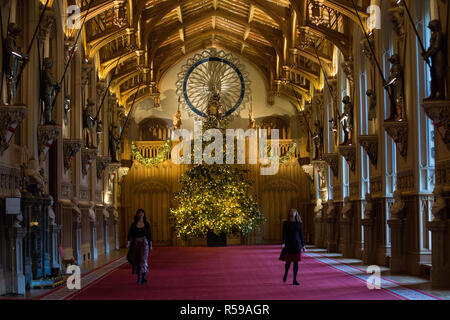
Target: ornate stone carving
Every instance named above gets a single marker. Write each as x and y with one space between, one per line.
366 47
370 145
369 207
399 132
71 148
47 134
66 191
100 90
309 170
349 153
122 172
331 210
113 167
69 50
397 209
10 118
86 70
405 180
102 164
376 185
347 209
442 171
76 212
120 17
318 209
46 25
398 20
439 209
439 113
51 212
347 67
84 193
87 157
333 161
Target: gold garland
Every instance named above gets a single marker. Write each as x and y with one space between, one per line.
155 161
167 147
288 156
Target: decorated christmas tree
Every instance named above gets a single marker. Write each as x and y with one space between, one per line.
215 198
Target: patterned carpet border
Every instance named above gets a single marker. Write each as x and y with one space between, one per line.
86 280
386 284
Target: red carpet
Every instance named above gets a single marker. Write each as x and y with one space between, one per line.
229 273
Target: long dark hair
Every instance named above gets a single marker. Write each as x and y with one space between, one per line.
136 216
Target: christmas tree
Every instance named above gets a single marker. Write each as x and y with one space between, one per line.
215 198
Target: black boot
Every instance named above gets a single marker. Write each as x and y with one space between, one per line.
286 269
138 278
143 280
295 283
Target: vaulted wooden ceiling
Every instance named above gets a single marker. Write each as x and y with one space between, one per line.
144 38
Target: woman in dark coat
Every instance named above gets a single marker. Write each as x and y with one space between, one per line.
139 244
292 243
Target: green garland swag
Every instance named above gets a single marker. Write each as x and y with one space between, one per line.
155 161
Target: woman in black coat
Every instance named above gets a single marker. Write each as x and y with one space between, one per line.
139 244
292 243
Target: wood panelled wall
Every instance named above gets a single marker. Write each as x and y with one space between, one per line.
152 189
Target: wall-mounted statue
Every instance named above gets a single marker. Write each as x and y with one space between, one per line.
395 87
177 120
14 61
372 104
251 120
347 209
318 140
51 212
347 120
397 209
114 143
34 179
49 88
89 124
437 53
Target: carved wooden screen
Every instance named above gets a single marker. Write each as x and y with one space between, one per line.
154 129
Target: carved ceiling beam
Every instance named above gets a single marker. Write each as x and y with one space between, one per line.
309 54
97 7
308 74
338 39
94 45
108 65
174 28
115 85
346 8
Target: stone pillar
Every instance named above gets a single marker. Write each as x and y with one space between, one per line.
106 235
76 231
398 258
331 241
94 240
15 254
346 234
397 225
54 247
369 252
116 235
440 271
318 236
